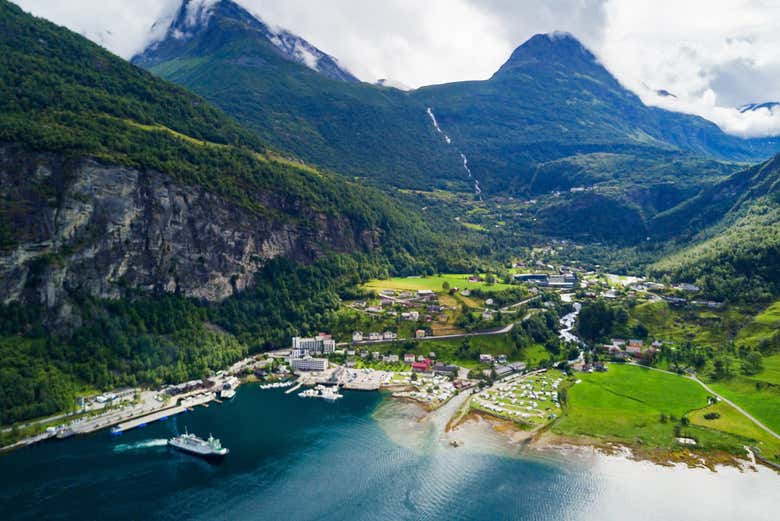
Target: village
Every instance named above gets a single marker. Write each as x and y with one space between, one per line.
411 313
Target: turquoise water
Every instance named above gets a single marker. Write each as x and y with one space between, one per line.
356 459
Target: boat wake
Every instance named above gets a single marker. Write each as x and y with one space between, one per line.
146 444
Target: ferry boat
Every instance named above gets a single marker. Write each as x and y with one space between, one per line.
210 448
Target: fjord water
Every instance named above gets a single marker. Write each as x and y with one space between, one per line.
361 458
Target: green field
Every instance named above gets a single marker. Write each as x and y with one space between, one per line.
625 404
433 282
763 402
732 421
764 326
771 372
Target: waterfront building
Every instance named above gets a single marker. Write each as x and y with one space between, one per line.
309 364
321 343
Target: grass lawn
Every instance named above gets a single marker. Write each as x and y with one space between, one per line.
625 404
765 325
732 421
771 372
433 283
762 403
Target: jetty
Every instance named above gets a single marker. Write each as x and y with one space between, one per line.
163 414
293 389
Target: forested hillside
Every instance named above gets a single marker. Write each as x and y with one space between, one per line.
146 237
736 252
356 129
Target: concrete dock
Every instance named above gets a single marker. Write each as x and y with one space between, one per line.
142 421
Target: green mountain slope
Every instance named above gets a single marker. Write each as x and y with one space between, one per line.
736 252
145 237
551 101
62 94
356 129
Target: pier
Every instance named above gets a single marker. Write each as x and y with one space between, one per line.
293 389
142 421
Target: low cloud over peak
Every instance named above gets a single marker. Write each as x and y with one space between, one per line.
714 57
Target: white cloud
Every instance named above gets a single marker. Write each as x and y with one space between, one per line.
122 26
713 55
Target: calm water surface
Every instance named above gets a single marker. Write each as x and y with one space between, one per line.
361 458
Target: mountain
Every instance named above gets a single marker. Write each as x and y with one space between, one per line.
551 105
752 107
194 17
146 237
115 180
733 229
552 99
224 53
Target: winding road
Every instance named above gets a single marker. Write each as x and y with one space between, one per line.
721 398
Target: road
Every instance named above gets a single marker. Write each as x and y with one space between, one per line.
737 407
518 304
721 398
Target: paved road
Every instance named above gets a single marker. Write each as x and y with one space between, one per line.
518 304
722 398
737 407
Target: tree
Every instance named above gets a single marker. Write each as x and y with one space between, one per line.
753 363
445 285
722 367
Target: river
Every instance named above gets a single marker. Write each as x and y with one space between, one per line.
365 457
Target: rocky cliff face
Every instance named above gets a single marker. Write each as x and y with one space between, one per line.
88 228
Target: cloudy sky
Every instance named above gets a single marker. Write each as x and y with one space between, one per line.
714 55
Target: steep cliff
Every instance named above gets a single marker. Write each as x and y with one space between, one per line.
95 229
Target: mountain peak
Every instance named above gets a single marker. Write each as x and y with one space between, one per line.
219 20
547 49
770 106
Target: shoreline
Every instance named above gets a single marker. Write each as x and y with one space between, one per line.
542 441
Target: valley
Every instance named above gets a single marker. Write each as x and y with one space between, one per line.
538 253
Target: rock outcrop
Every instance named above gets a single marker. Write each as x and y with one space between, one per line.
94 229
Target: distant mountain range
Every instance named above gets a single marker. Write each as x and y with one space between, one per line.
752 107
551 100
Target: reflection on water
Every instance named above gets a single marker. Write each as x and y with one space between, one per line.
357 459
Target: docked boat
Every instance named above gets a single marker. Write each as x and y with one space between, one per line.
210 448
322 391
65 432
228 390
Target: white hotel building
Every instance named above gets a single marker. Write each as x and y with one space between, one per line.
309 364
